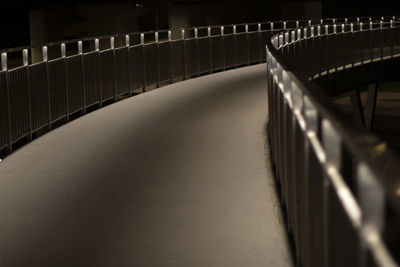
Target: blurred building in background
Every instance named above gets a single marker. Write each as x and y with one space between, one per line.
39 22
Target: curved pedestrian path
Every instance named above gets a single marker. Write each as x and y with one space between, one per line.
178 176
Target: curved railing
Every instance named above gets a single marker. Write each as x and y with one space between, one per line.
42 87
340 184
337 182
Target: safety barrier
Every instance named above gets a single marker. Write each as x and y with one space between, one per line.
339 184
77 75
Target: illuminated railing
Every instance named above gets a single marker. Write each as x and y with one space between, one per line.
339 184
334 178
44 86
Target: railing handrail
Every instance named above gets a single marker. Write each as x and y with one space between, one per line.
364 142
52 75
381 164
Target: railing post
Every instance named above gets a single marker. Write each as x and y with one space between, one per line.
372 202
3 61
210 45
196 36
170 56
63 55
46 59
381 36
284 25
144 62
272 26
184 54
297 24
223 49
310 114
362 37
312 41
391 39
235 45
246 27
259 43
309 22
128 44
319 46
112 46
287 41
156 39
371 55
305 36
332 145
352 43
25 63
80 52
97 49
372 198
4 68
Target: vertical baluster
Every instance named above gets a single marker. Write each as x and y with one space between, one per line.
156 39
210 45
223 48
184 54
259 43
235 44
247 43
170 57
196 36
45 59
97 49
128 44
63 57
80 52
4 68
144 62
25 63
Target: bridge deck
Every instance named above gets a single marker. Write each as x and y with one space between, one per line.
173 177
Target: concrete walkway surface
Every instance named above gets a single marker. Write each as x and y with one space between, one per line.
178 176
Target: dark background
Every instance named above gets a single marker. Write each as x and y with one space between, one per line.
23 23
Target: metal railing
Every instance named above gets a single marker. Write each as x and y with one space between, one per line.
43 86
73 76
332 176
339 184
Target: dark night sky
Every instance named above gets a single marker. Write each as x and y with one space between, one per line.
14 22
